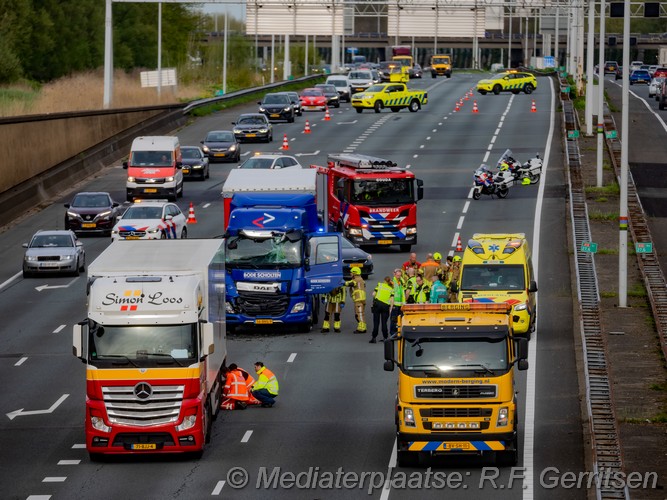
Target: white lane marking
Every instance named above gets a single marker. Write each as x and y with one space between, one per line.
465 207
69 462
392 465
79 446
38 497
428 138
497 130
246 436
490 147
460 224
18 413
291 358
7 282
456 238
470 192
421 146
218 488
59 329
493 139
206 205
408 166
529 414
52 287
486 157
54 479
435 129
21 361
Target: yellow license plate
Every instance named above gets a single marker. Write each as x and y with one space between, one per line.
384 242
88 224
251 135
150 190
275 115
144 446
186 170
132 237
356 264
263 321
219 154
457 446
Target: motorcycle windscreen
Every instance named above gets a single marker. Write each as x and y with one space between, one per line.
325 263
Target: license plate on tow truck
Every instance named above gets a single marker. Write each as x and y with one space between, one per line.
143 446
384 242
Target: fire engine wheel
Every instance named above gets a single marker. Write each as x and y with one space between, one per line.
496 89
534 178
407 458
503 192
378 106
476 194
414 106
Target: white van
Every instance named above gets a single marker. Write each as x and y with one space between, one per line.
154 168
342 86
360 80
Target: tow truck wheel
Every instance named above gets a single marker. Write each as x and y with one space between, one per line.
414 106
407 458
496 89
378 106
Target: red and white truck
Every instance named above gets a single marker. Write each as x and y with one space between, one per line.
371 200
153 343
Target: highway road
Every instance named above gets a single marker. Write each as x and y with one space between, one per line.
336 406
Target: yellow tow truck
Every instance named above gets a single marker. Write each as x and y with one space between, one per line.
456 388
394 96
441 64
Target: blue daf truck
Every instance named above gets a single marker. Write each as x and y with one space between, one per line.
278 258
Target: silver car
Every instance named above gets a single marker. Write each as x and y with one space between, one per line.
57 251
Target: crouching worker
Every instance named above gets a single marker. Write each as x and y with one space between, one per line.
249 381
235 394
266 387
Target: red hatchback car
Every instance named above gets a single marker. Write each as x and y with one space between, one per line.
313 99
660 72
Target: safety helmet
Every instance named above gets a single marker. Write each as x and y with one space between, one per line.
437 256
456 259
355 270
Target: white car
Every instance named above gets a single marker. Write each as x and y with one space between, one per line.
634 65
271 161
360 80
342 86
151 220
655 85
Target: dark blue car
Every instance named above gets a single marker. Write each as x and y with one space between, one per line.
640 76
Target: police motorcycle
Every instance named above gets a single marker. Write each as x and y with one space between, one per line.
487 183
527 173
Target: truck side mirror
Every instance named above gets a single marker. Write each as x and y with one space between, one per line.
77 341
340 189
532 287
522 364
207 342
389 351
522 348
420 189
388 366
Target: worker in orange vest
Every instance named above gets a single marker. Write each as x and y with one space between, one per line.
235 392
249 381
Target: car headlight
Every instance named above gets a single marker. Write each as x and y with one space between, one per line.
72 215
229 308
31 258
130 179
520 307
354 231
237 131
104 214
99 425
169 179
287 108
412 230
197 166
409 417
153 230
263 130
262 109
232 147
298 307
503 417
205 149
66 257
188 423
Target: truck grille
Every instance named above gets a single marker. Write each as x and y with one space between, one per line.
455 412
455 391
162 406
262 304
149 181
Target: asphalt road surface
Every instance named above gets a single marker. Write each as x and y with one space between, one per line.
335 411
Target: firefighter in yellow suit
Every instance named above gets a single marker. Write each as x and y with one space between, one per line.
335 300
357 287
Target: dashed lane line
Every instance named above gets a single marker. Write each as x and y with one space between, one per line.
246 436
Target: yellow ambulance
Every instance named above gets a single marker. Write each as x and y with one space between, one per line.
498 268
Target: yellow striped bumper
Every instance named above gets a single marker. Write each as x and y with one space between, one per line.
473 446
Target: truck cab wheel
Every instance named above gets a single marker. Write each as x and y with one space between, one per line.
407 458
414 106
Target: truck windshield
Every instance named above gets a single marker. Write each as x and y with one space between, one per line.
440 60
493 276
139 345
486 355
383 191
152 158
256 252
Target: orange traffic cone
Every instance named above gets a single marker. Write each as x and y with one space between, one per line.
474 107
285 145
306 129
327 117
191 215
467 97
457 108
533 109
459 246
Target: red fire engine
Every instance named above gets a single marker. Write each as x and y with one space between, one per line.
371 200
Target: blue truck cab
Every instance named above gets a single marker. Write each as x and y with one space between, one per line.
278 259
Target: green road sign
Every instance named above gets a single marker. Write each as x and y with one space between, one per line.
565 90
589 246
572 134
611 134
644 247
